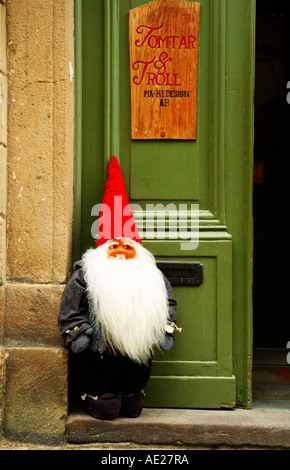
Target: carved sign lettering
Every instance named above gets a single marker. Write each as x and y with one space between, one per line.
163 44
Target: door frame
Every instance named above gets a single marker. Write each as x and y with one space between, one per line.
236 116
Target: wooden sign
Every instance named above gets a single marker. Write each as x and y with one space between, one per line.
163 45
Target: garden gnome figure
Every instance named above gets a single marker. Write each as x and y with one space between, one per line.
115 310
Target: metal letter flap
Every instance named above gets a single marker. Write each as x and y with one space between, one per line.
182 273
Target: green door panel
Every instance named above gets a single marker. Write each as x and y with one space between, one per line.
203 350
191 392
155 169
210 362
156 173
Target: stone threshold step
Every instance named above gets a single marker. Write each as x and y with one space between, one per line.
265 425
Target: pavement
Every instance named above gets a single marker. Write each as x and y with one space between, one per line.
264 427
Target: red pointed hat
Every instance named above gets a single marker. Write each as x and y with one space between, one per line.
116 219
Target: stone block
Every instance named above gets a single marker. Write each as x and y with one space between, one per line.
31 315
1 386
2 294
3 109
3 181
30 193
40 134
63 182
35 395
3 60
3 205
2 250
31 42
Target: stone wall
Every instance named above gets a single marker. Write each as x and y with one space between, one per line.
36 209
3 191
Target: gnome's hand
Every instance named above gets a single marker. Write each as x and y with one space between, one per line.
167 343
81 343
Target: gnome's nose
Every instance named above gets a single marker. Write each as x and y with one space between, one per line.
123 253
120 251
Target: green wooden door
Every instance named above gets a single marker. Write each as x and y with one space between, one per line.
210 363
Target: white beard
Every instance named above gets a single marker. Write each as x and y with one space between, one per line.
129 299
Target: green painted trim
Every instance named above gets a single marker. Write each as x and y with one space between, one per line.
224 309
249 147
240 72
89 118
184 368
77 216
112 85
217 183
171 249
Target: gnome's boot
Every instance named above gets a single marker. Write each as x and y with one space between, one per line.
105 406
132 404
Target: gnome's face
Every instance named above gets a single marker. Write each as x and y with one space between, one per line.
121 248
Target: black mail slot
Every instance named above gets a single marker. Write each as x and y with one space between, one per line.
182 273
